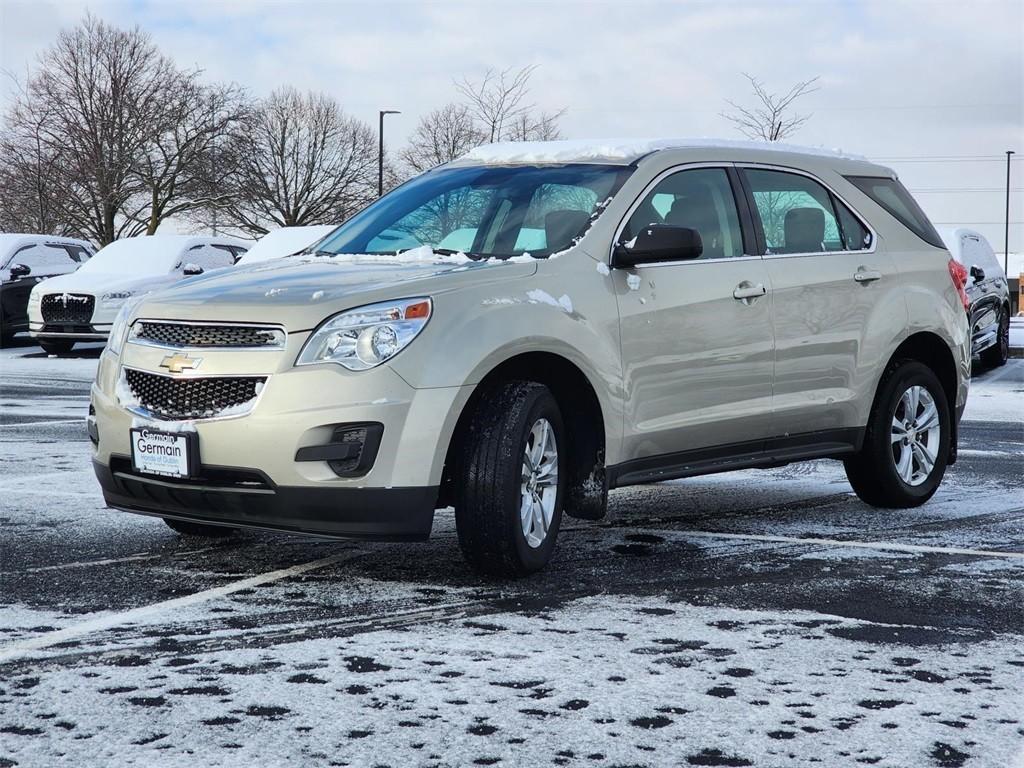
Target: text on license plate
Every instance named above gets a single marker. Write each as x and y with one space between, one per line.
162 453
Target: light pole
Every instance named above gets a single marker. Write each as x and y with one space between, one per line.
1006 232
380 149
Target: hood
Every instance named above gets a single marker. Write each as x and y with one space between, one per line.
98 283
300 292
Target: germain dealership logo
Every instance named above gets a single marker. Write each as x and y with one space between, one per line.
179 362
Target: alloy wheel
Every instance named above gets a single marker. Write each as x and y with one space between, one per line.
539 488
915 435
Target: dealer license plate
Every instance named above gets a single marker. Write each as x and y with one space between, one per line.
170 454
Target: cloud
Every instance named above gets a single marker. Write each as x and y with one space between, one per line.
897 78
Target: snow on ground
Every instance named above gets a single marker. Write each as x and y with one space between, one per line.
997 395
1017 332
605 681
29 360
754 618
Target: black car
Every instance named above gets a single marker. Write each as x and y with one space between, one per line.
989 294
26 260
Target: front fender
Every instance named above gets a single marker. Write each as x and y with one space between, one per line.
567 308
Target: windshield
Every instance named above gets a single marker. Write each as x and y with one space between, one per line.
136 256
482 211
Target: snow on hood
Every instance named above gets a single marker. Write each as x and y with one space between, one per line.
98 283
619 150
298 290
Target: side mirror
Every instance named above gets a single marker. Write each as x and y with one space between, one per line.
977 273
19 271
658 242
191 270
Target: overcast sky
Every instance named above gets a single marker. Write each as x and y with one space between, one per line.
902 81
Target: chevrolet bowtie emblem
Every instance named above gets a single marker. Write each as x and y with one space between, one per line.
178 362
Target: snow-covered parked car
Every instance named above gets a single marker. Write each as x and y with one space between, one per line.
612 314
81 306
988 291
26 260
285 242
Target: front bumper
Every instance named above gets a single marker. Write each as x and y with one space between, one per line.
298 409
393 514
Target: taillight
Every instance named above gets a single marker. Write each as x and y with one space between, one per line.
958 272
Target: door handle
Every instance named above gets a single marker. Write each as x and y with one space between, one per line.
746 291
864 275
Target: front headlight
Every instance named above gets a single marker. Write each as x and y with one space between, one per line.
365 337
119 330
115 298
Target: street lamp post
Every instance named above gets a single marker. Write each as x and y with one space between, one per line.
380 149
1006 232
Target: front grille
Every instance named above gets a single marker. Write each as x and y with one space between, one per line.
189 335
67 308
193 398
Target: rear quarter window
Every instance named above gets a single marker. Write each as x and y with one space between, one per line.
894 198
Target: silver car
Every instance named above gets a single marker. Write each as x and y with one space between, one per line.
517 332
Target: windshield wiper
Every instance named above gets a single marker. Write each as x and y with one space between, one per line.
454 252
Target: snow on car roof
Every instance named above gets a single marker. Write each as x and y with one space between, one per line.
149 254
9 240
621 151
285 241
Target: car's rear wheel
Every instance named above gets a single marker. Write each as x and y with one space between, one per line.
510 487
999 352
906 444
200 530
57 347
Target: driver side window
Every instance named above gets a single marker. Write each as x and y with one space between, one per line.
701 199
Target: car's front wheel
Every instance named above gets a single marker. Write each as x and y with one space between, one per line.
999 352
510 487
906 444
198 529
57 347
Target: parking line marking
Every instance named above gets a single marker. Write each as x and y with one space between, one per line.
108 561
79 420
855 544
108 621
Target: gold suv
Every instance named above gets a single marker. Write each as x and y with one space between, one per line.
517 332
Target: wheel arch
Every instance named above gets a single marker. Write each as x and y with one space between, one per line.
585 423
931 350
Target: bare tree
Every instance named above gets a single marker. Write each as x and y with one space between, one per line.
301 161
29 201
529 127
441 136
771 119
178 169
93 101
499 103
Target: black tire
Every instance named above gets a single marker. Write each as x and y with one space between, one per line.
57 347
489 483
999 353
6 340
200 530
872 472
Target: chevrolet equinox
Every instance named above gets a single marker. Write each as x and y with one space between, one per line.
520 330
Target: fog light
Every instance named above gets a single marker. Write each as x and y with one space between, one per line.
351 451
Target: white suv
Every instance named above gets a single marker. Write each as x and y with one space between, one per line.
81 306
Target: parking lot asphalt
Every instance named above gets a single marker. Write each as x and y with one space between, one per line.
757 618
